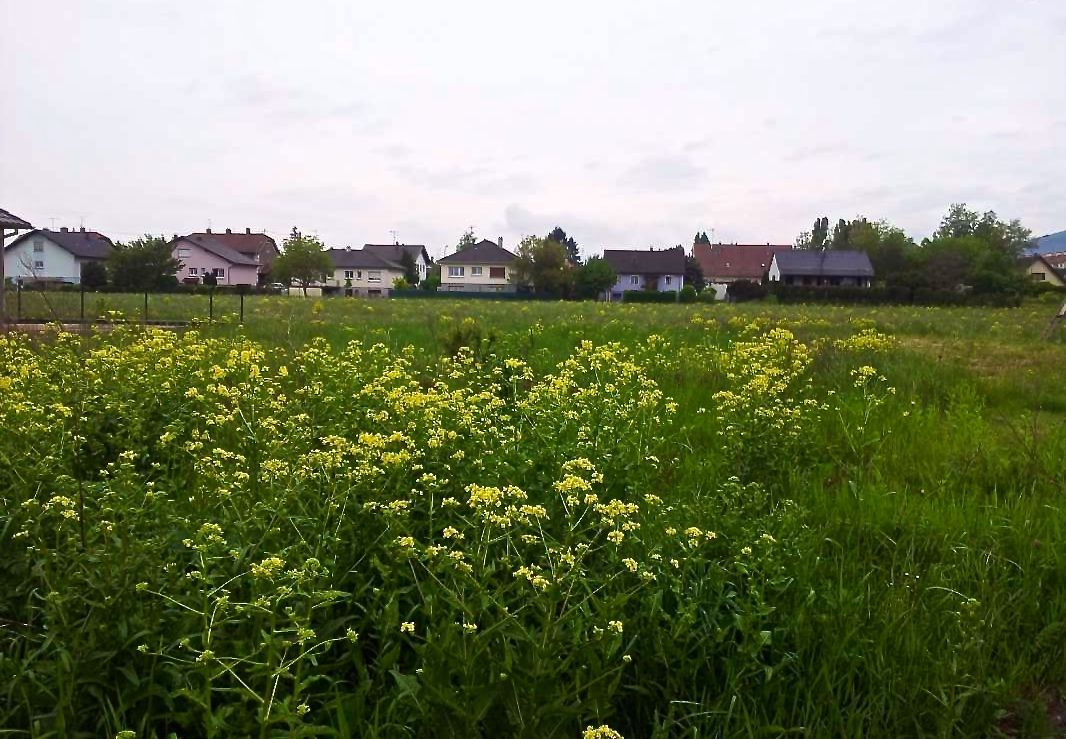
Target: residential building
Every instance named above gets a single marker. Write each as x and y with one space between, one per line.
362 272
816 267
723 264
234 258
484 267
394 253
1040 269
44 255
1056 259
655 270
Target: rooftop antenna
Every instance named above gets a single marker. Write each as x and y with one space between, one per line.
53 220
712 235
394 240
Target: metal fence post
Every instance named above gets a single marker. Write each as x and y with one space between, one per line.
242 304
18 302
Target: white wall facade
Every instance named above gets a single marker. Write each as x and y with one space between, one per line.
53 262
476 278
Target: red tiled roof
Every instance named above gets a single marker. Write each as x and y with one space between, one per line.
735 261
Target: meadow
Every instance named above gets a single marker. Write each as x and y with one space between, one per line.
359 518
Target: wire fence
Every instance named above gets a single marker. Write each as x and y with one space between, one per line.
26 305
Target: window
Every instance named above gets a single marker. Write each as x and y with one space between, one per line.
455 271
634 280
349 274
38 245
194 271
1039 276
498 273
220 273
668 278
38 264
475 271
183 252
373 275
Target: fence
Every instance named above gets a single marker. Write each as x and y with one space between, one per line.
33 305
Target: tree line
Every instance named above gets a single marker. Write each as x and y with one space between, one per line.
978 250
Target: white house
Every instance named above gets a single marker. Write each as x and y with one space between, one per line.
45 255
484 267
655 270
362 272
394 253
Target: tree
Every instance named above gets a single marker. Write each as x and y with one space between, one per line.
432 281
302 259
694 274
820 232
543 264
143 264
467 240
594 277
701 238
93 275
841 232
410 269
559 236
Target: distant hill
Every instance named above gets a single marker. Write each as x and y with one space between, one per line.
1049 243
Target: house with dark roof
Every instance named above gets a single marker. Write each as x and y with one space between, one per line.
1041 269
54 256
233 258
655 270
816 267
394 253
484 267
723 264
363 271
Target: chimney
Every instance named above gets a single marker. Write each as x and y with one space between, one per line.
500 242
175 237
83 229
208 229
63 229
247 230
229 230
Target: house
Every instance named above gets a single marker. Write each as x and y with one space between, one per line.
394 253
233 258
485 267
362 272
723 264
842 267
54 256
1056 259
655 270
1040 269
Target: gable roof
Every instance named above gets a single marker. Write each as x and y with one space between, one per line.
10 220
394 252
483 252
361 258
212 244
736 261
650 262
1044 259
817 263
249 244
83 244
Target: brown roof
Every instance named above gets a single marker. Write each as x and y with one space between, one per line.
650 262
735 261
248 244
483 252
83 244
10 220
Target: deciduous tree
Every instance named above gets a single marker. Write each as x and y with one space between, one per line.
143 264
302 260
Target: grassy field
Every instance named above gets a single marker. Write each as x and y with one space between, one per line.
468 518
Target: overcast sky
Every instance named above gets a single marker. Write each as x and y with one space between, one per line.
629 124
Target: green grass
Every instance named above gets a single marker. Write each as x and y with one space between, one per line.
914 581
